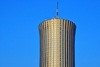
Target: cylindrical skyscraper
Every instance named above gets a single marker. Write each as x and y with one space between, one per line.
57 43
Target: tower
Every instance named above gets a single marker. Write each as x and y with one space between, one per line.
57 43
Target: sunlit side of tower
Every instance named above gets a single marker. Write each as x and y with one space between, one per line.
57 43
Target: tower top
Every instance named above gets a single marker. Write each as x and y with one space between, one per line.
57 9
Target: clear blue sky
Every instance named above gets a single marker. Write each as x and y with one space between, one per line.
19 34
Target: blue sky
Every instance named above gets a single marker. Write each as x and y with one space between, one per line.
19 33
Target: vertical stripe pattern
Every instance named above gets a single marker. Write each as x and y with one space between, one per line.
57 43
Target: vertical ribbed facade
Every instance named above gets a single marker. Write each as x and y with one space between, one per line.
57 43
